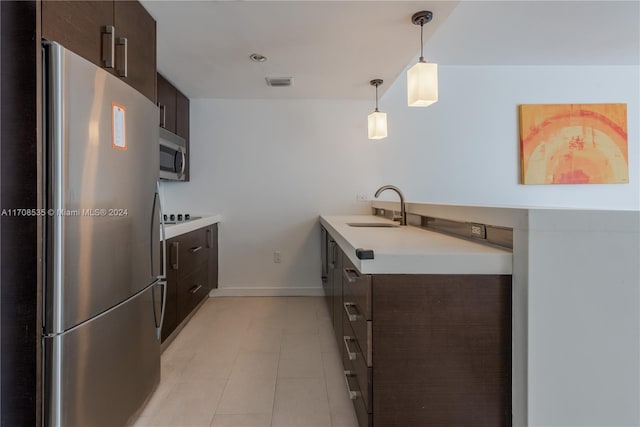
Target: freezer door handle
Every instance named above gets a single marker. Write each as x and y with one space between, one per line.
160 321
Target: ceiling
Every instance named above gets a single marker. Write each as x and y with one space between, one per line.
333 48
540 33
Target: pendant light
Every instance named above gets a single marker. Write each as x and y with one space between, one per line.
422 78
377 120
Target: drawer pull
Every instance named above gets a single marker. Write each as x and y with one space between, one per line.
352 317
352 355
351 275
353 394
196 249
195 289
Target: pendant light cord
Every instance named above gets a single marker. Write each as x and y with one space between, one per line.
376 98
421 41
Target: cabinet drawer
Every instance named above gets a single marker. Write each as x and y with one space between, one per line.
356 289
361 329
365 418
354 361
192 252
191 290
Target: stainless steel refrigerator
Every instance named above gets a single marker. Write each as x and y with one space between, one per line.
103 269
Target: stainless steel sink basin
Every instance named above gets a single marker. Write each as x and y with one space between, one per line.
372 224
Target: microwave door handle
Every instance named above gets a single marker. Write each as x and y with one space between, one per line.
184 160
175 162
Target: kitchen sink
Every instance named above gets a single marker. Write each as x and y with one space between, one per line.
372 224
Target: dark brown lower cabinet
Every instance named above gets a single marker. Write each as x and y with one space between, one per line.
192 271
425 350
212 249
191 290
170 319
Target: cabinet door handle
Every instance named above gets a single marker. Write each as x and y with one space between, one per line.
162 115
210 237
352 317
352 355
122 55
108 46
332 254
351 275
195 289
174 255
353 394
196 249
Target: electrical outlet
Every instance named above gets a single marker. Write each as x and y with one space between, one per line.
478 230
362 197
276 256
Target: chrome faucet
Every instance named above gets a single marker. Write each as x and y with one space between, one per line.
403 212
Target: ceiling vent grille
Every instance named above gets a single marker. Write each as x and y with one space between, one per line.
279 81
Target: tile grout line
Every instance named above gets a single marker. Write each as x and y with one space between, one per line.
225 386
324 376
273 405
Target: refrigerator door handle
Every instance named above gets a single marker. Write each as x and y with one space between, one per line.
162 309
54 66
152 234
163 238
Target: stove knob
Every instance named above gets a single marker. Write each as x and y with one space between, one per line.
179 217
165 216
172 217
187 217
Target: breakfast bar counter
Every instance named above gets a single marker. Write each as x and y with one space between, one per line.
412 250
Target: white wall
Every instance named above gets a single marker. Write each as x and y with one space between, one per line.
465 148
270 168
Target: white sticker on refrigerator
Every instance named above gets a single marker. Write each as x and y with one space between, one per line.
118 131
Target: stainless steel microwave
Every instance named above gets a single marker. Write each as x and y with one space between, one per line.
173 156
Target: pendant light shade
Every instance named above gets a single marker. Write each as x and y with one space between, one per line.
422 84
377 125
377 121
422 78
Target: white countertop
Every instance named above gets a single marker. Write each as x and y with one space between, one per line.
413 250
173 230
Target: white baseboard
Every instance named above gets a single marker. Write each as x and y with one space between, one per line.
267 292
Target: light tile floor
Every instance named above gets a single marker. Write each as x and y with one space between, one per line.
253 362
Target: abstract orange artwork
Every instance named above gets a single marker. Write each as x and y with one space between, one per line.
574 144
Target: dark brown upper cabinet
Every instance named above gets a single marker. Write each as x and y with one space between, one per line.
78 26
134 24
167 99
182 124
174 113
118 36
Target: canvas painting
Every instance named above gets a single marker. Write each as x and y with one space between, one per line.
574 144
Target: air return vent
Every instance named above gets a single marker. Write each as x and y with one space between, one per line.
279 81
